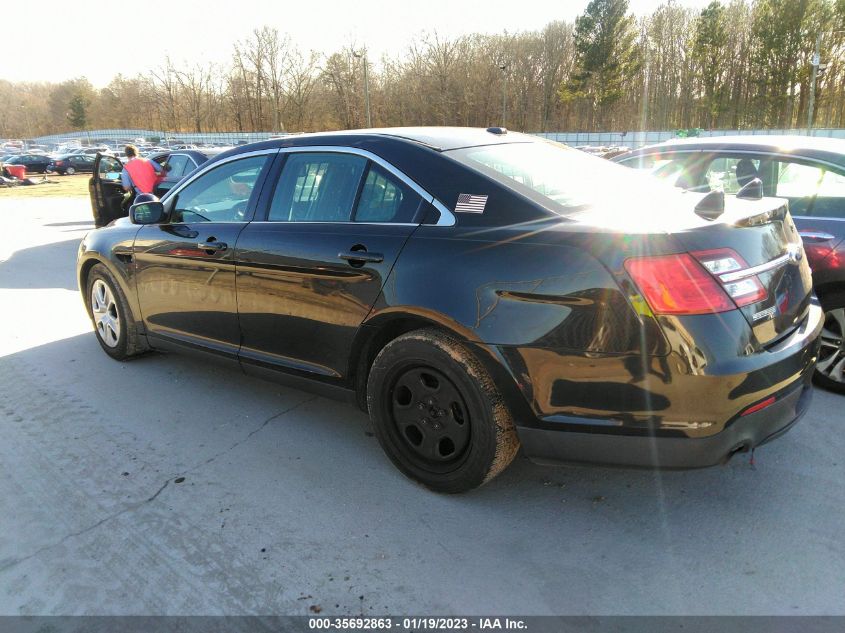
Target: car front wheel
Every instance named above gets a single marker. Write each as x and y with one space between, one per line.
110 313
830 369
437 413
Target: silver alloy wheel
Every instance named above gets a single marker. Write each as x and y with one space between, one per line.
70 171
106 316
832 353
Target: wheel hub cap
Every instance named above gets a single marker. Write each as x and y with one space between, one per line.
104 311
430 416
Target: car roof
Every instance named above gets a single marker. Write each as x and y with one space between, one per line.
830 149
440 139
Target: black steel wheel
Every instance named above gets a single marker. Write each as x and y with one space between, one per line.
437 413
830 368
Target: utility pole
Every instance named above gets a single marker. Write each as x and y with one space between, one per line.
812 101
503 67
817 66
363 55
28 126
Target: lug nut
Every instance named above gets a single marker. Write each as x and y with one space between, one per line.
424 421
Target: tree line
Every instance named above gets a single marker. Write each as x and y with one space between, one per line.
735 65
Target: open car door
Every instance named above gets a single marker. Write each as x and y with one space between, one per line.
106 191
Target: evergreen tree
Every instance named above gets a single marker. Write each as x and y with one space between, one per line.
709 54
607 55
78 115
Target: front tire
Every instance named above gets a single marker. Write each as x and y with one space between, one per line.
830 368
109 311
437 413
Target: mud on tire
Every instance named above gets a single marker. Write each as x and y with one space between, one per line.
437 413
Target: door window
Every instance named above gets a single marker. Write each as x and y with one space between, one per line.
219 195
811 189
177 164
318 187
386 199
730 174
109 168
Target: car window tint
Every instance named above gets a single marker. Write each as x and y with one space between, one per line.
219 195
730 174
109 168
811 190
177 164
318 187
384 198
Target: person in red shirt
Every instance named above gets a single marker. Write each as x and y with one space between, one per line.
139 175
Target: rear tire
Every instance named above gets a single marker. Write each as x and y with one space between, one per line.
830 369
437 413
70 171
109 311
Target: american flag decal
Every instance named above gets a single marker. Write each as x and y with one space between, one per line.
468 203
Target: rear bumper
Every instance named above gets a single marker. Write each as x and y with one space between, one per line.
743 434
683 420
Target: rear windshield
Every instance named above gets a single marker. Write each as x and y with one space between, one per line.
568 178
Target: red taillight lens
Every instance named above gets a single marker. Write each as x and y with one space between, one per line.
725 260
677 284
59 163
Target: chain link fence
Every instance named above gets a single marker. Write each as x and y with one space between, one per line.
629 139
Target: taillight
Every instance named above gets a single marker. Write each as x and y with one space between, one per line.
725 260
59 163
677 284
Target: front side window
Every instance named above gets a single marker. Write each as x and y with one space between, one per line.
317 187
221 194
811 189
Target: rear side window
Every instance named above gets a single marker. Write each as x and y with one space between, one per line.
386 199
730 174
317 187
178 164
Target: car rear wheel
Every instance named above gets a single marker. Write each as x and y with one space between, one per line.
437 413
830 369
70 171
111 315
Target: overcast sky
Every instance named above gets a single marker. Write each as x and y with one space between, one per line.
57 40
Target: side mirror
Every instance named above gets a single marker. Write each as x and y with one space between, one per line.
146 213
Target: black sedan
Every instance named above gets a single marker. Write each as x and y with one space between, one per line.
810 174
107 196
34 163
69 164
474 290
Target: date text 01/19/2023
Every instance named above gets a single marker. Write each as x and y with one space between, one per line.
415 623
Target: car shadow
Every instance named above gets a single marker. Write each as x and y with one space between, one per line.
243 463
50 265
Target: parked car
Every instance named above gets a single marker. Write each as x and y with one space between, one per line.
474 290
810 173
70 164
106 191
34 163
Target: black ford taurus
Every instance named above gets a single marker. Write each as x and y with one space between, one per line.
475 290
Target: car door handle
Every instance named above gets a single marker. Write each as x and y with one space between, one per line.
815 236
213 246
361 256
